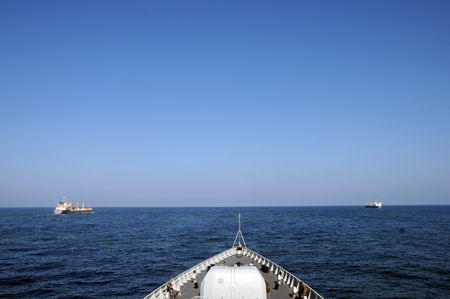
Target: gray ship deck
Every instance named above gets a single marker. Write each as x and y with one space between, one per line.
188 290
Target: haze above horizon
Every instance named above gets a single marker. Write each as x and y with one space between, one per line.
253 103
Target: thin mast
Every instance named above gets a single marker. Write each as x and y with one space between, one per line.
239 234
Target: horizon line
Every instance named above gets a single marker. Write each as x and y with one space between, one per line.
164 207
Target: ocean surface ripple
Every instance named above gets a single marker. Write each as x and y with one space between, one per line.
341 252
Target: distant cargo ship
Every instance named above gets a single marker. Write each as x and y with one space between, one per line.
65 207
374 205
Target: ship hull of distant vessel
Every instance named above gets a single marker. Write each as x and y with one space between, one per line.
72 212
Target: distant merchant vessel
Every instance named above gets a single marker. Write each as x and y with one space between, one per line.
65 207
373 205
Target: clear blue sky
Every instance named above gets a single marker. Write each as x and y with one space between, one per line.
224 103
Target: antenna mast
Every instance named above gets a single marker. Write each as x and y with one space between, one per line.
239 234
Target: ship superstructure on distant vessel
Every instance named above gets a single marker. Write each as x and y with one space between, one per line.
65 207
374 205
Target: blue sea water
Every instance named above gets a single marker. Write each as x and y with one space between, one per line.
341 252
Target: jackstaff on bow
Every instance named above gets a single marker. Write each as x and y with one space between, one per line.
239 235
